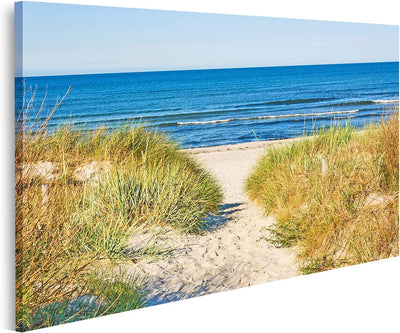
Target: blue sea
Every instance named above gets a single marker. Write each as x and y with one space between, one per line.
201 108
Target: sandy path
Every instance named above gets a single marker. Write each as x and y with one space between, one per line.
230 255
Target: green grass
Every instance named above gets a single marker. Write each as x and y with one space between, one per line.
105 295
65 231
343 213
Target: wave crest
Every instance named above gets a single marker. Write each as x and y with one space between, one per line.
386 101
296 115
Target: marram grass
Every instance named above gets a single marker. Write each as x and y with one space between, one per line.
334 195
66 223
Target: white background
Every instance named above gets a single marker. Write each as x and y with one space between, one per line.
363 298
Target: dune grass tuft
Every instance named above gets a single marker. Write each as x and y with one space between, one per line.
334 195
79 196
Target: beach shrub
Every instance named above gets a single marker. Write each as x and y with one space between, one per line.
79 195
334 195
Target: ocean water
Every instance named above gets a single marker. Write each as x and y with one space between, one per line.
201 108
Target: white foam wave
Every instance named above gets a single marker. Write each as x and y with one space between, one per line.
386 101
208 121
296 115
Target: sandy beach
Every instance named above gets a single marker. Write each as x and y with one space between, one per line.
231 253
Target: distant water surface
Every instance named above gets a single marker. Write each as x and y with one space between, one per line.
221 106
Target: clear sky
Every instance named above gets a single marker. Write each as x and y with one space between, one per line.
73 39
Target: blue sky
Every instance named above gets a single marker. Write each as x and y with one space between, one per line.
72 39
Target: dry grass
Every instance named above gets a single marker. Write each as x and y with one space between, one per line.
334 195
79 195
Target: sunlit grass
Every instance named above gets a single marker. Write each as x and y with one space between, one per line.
79 196
334 195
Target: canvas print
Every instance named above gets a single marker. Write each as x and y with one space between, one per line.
164 155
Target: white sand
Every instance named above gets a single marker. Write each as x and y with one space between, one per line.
230 255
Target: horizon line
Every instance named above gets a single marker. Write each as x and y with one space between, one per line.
205 69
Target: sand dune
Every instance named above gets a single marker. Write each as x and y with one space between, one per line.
231 253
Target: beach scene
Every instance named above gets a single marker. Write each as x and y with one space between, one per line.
169 155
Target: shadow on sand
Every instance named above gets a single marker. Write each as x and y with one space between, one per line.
215 222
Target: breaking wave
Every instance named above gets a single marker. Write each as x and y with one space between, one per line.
386 101
296 115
